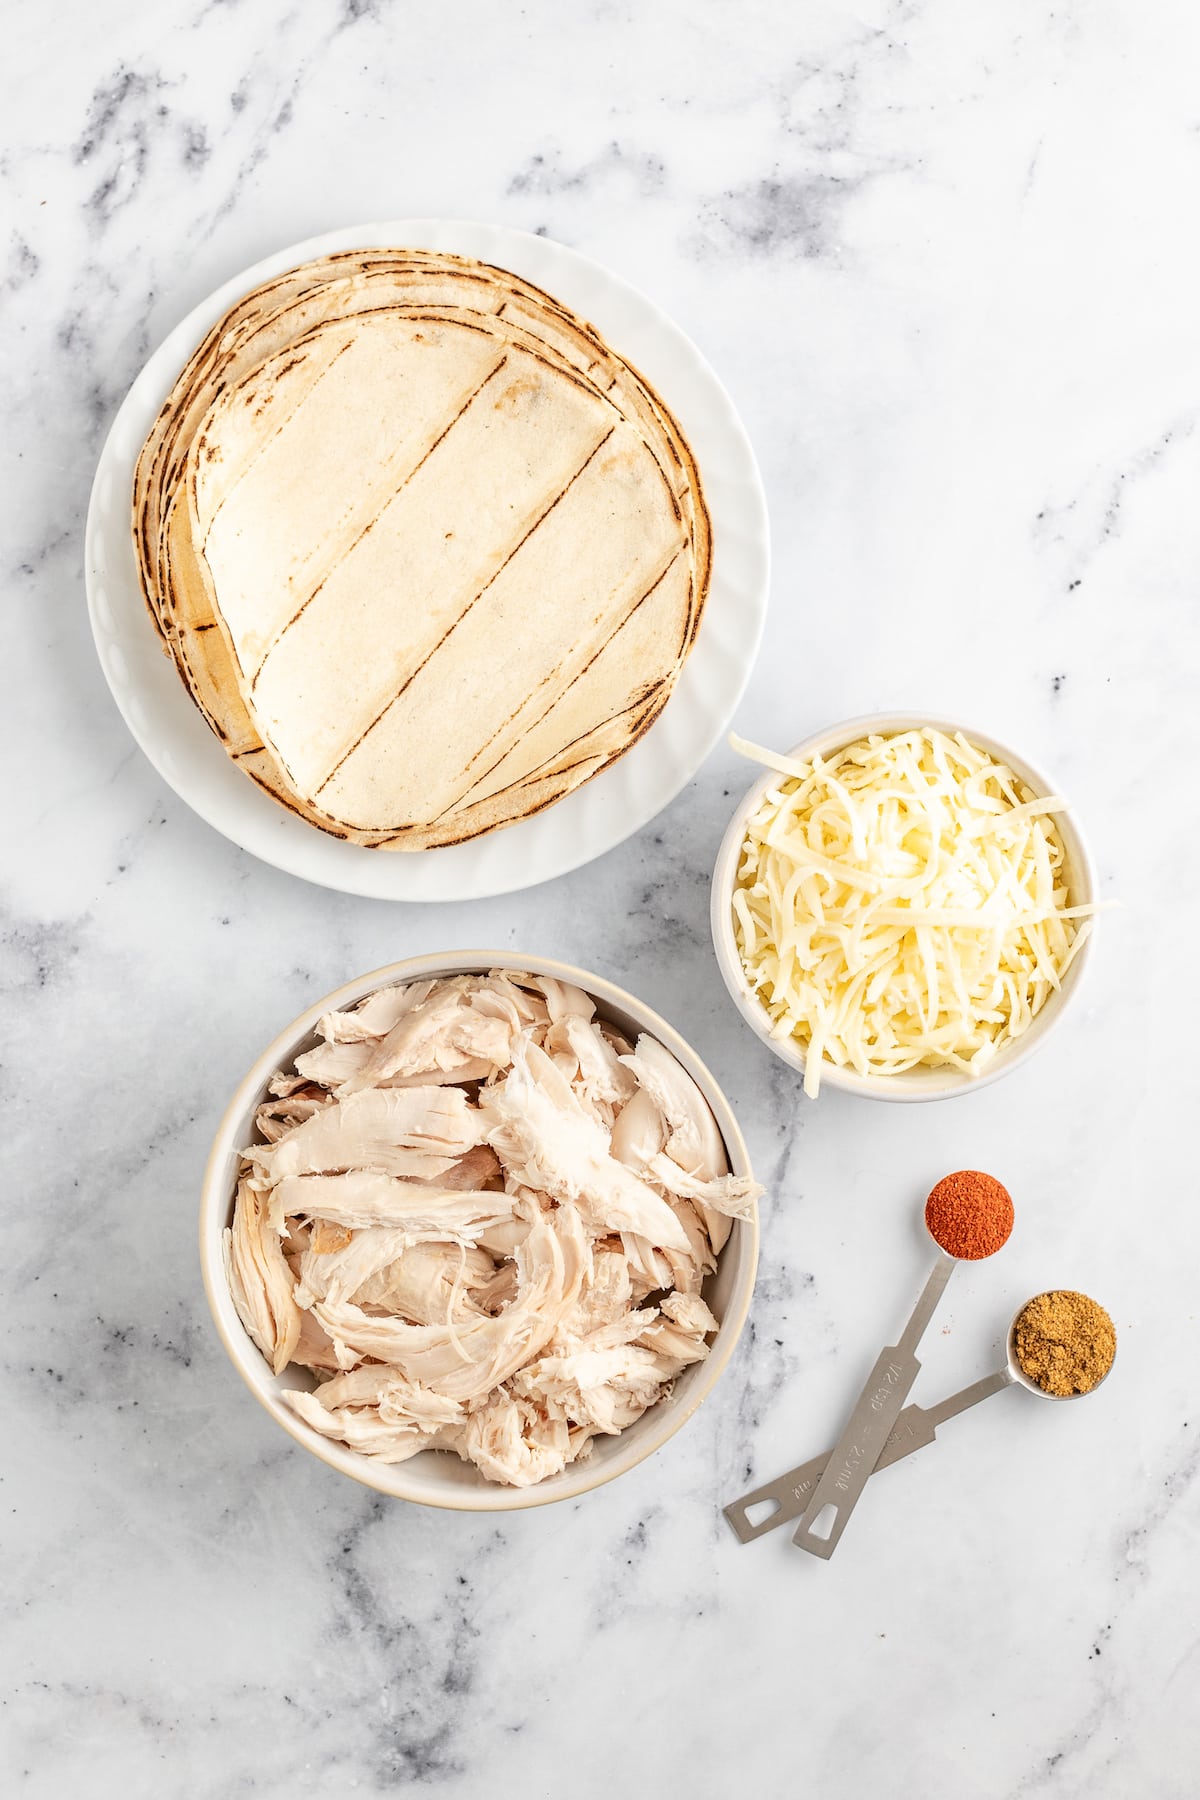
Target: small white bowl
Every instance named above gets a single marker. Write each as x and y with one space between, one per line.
913 1084
439 1478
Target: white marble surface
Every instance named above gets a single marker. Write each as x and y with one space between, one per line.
945 257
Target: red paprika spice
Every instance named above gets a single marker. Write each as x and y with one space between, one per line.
969 1215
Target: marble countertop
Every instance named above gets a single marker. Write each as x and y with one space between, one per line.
945 259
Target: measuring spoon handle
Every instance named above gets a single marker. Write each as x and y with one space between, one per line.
870 1425
914 1430
854 1456
792 1492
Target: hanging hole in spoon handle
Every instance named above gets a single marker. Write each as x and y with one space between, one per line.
776 1502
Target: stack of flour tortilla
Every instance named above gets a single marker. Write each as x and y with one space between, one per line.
426 552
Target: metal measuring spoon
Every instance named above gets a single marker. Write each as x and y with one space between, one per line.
914 1430
878 1407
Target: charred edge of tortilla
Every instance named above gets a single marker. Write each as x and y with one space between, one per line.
524 285
187 674
440 840
285 800
383 837
204 364
518 335
241 316
561 693
322 273
683 452
193 378
205 449
451 261
139 528
400 840
701 581
548 767
171 648
176 647
405 837
486 324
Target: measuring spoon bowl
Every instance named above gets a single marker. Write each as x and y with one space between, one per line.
1017 1373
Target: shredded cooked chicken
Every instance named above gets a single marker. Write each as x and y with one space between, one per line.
482 1221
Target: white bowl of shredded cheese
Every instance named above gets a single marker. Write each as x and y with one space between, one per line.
907 898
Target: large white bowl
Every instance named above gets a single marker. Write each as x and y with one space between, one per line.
439 1478
913 1084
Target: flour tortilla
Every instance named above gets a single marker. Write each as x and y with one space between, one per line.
504 669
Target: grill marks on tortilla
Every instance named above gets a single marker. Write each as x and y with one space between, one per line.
273 519
378 517
445 644
518 443
503 659
637 638
426 553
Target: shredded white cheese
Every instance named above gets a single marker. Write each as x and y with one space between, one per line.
905 903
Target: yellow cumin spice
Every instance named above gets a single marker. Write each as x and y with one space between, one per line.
1065 1342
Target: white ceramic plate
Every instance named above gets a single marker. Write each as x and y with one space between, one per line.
436 1478
605 810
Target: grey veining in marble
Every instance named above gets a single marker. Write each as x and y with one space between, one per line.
946 259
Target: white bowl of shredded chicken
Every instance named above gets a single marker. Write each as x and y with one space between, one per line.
479 1231
901 907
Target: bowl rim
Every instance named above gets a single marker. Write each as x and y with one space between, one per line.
931 1084
247 1359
